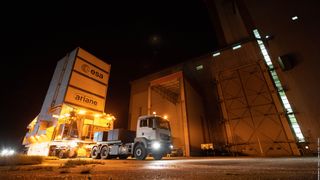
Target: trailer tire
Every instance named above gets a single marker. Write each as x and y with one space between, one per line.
62 154
52 151
104 153
140 152
72 154
94 153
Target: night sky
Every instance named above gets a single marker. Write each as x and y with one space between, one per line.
136 39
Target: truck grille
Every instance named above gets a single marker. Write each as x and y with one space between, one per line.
164 137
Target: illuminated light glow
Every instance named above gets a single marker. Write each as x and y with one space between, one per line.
32 139
156 145
294 124
294 18
97 115
199 67
110 117
73 144
155 165
154 113
40 149
171 146
165 117
216 54
81 152
7 152
56 116
307 147
236 47
82 112
4 152
267 36
67 115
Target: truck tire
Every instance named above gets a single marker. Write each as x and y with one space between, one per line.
140 152
94 153
104 153
157 156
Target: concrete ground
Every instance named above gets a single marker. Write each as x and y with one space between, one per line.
172 168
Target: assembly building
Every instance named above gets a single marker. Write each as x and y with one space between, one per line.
258 94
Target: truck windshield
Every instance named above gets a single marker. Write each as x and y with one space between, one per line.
163 124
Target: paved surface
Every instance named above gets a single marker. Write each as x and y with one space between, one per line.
172 168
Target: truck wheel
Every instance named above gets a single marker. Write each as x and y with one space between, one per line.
140 152
157 156
94 153
104 152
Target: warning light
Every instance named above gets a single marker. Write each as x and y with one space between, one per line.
82 112
55 116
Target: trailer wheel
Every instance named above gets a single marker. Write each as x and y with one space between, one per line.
157 156
72 154
52 151
140 152
94 153
62 154
104 152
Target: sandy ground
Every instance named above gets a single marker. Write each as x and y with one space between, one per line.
172 168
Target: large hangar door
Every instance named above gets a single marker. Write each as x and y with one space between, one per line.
252 122
166 97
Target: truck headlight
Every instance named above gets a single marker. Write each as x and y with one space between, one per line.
156 145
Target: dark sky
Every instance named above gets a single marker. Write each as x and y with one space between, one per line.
134 38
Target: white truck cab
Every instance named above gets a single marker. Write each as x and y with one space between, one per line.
153 135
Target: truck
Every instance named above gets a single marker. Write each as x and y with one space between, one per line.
73 108
152 137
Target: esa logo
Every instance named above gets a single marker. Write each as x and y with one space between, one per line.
86 68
